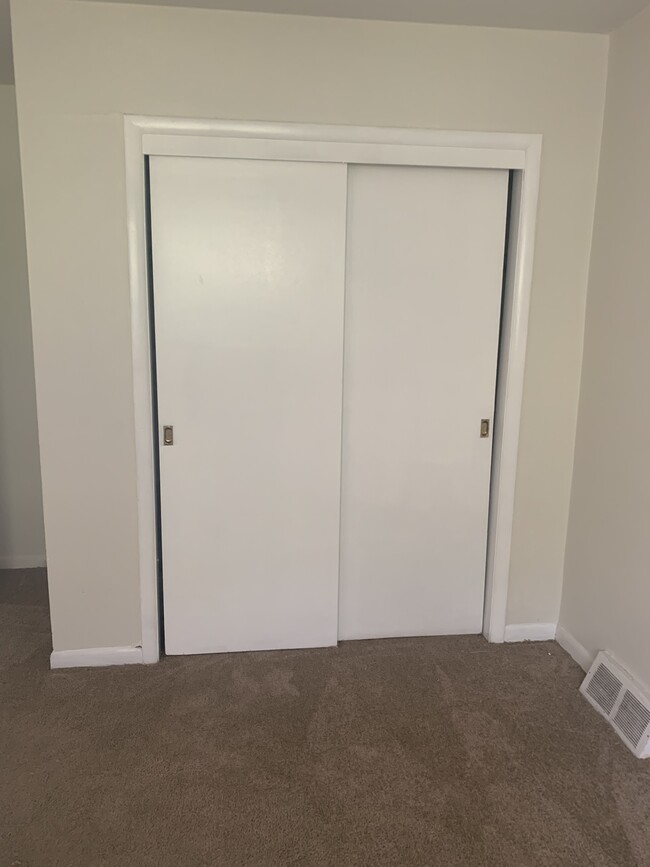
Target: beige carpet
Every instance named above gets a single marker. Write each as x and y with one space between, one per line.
443 751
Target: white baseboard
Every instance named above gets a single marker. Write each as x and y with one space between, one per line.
94 656
530 632
573 647
22 561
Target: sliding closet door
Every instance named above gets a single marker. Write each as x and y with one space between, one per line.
425 252
248 281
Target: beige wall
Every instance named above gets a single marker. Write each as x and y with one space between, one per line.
606 601
81 66
22 543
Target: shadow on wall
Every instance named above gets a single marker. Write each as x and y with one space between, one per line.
22 540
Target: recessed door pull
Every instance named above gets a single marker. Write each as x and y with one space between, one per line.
168 435
485 428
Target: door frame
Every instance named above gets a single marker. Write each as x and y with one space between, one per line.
518 152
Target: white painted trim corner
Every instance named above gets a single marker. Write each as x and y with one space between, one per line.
142 391
510 387
96 656
530 632
348 144
23 561
576 651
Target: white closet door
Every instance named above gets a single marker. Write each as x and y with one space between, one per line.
425 252
248 274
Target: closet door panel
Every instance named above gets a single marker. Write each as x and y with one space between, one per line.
425 252
248 285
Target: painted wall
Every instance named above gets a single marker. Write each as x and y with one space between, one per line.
606 600
22 542
106 60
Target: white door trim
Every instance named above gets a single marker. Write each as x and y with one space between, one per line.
239 139
96 656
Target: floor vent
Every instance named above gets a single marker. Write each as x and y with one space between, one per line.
604 688
615 695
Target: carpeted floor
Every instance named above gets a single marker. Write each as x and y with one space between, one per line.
440 751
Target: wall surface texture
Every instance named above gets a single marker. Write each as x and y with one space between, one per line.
606 600
22 543
103 61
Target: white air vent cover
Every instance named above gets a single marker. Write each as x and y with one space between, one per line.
615 695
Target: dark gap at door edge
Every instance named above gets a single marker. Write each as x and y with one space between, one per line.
154 404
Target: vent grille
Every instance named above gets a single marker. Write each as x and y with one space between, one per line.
604 689
632 718
622 701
